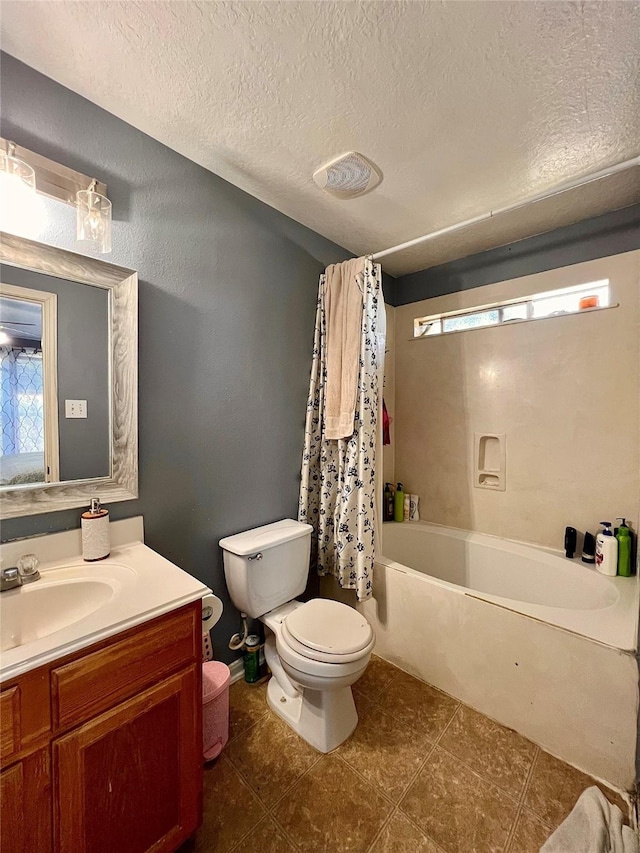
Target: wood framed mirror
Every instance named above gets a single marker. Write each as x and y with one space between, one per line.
69 406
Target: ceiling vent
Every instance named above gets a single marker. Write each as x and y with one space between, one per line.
347 176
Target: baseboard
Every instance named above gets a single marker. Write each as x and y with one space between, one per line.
237 670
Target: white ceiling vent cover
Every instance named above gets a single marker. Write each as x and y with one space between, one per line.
347 176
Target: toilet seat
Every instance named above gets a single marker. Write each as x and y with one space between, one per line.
326 627
327 631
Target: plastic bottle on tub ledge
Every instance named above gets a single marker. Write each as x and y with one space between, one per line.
414 508
624 548
388 502
407 507
606 550
398 504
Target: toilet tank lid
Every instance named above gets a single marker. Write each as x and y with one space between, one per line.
267 536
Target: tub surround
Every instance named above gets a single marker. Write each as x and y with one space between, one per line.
564 391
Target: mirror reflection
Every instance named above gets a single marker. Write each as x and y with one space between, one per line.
55 398
22 396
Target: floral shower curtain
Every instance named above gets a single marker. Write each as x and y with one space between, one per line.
340 494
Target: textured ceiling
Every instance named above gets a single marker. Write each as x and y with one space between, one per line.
464 106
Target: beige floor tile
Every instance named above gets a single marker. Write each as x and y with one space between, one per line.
401 836
230 809
247 704
378 675
413 703
332 810
555 786
267 837
459 810
387 754
530 834
362 702
498 754
270 757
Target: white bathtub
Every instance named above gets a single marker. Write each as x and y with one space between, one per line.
540 643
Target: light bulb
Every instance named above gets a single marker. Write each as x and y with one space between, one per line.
93 220
21 208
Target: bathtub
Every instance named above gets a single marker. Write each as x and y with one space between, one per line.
541 644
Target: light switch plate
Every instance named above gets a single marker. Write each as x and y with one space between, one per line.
75 408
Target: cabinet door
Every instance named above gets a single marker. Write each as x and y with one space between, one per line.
25 805
130 780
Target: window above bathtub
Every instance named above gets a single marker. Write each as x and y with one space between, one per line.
579 299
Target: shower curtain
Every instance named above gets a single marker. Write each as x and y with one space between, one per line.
340 493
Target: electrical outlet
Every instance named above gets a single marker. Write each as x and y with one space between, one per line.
75 408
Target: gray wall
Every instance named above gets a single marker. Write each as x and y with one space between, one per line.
83 370
609 234
227 301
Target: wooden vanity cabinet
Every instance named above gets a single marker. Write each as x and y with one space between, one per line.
119 766
25 795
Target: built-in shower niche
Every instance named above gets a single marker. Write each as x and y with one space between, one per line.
489 461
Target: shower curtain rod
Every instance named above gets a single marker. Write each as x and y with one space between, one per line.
561 188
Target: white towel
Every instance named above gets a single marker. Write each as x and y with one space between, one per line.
593 826
343 301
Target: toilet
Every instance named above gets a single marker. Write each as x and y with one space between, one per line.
316 649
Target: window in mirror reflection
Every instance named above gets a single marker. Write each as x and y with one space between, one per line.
28 449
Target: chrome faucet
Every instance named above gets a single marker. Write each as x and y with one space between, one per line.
25 572
9 579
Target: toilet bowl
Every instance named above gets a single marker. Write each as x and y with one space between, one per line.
316 649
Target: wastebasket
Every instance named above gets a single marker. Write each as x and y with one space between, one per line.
215 708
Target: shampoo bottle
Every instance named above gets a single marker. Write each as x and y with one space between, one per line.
624 549
388 502
398 504
606 550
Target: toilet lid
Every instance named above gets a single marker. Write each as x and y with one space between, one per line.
330 627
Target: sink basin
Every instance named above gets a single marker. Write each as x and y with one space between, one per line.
76 604
60 599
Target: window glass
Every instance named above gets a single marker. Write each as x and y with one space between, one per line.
567 300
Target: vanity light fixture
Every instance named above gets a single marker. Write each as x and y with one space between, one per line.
37 176
93 219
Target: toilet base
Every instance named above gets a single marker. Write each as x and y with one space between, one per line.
324 718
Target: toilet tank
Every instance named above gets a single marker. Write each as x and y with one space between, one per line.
267 566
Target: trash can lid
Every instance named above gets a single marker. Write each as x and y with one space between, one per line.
215 677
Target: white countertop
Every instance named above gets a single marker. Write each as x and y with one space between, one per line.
138 585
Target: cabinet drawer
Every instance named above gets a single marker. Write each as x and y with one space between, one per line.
99 680
24 715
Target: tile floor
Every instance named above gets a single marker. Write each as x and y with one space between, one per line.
421 774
